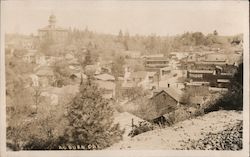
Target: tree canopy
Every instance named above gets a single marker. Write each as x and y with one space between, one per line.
90 119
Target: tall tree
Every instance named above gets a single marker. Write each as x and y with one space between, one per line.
117 70
215 32
198 38
90 119
88 59
120 36
37 98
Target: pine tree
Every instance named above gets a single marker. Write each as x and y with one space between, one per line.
90 119
117 70
88 60
120 36
215 33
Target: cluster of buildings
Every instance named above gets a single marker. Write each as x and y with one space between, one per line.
183 79
177 79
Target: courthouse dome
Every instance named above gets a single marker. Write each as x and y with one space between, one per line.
52 19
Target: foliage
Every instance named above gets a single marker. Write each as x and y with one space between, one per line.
19 110
134 93
143 127
233 99
215 32
88 56
37 98
41 131
144 109
14 82
46 46
88 59
62 73
229 139
44 132
90 119
17 65
117 68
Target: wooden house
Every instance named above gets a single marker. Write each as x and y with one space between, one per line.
166 100
155 63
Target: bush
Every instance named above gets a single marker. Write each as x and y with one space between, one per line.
233 99
143 127
229 139
40 144
134 93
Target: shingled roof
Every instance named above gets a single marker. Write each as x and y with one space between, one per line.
176 94
138 74
44 72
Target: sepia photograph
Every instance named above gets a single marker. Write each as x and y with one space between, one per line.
121 76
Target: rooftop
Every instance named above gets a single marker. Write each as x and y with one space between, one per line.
69 89
105 77
154 55
43 71
138 74
178 95
201 71
157 59
151 73
48 28
106 85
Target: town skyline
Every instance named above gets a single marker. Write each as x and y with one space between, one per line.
109 18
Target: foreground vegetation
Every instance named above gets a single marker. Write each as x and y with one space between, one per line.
229 139
85 121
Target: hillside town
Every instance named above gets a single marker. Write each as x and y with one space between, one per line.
157 81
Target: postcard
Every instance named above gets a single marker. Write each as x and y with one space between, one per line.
124 78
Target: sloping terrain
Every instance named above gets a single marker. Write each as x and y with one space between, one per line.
176 136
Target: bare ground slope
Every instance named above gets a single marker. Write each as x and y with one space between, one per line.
174 137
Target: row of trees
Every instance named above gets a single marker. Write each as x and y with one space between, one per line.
146 44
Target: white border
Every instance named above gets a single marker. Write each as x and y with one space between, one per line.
2 89
125 153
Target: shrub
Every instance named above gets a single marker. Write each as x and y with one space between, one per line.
233 99
143 127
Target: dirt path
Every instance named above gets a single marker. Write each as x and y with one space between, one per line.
173 137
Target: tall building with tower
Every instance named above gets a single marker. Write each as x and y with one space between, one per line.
52 31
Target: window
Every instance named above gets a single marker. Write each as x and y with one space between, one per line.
196 75
165 72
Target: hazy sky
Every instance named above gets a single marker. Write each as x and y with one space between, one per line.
142 17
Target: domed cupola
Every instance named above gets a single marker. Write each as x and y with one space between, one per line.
52 21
